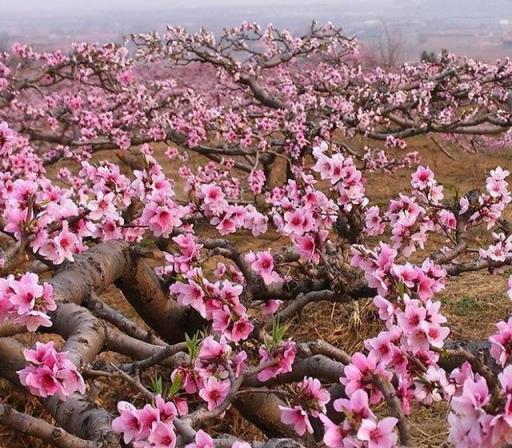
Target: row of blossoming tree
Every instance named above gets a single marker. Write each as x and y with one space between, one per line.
259 126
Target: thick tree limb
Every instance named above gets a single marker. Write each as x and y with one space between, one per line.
93 270
36 427
142 289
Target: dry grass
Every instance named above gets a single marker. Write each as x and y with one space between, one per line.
473 302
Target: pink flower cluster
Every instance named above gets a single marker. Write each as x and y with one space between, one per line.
414 326
50 372
209 373
342 174
478 418
149 427
256 181
230 217
499 252
161 214
489 207
410 224
189 251
281 357
214 366
304 214
18 159
263 264
312 398
218 302
361 427
40 211
25 301
383 273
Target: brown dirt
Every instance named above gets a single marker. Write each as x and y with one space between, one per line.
472 302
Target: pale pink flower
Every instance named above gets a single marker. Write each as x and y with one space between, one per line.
356 406
294 222
422 178
334 434
501 342
162 435
128 422
297 418
263 264
201 440
378 434
26 290
214 392
239 444
284 354
315 395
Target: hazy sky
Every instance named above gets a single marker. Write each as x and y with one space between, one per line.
87 5
379 7
80 4
424 24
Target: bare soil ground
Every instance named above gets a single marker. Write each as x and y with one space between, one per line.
473 302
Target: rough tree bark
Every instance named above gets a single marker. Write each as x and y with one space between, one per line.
143 290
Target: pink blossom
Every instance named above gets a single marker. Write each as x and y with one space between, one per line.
161 220
316 397
270 307
214 392
334 435
307 248
162 435
373 221
190 294
211 194
422 178
167 409
26 291
297 418
356 406
241 329
263 264
50 373
358 375
378 434
283 355
294 223
201 440
26 301
501 342
211 349
384 346
469 422
128 423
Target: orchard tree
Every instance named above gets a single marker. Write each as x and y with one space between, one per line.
259 127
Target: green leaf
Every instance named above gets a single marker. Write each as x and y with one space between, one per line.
157 385
278 332
192 345
175 386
